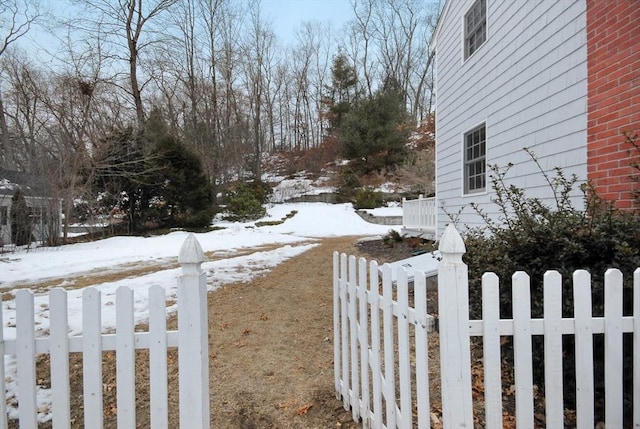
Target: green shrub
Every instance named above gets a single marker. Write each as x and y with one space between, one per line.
534 237
367 198
349 183
392 238
245 201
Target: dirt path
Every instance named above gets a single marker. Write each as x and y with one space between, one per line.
271 347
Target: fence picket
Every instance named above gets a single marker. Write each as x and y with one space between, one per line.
25 346
404 364
336 323
613 347
353 336
92 357
636 348
376 367
59 337
491 350
422 349
3 404
583 348
389 387
158 390
125 358
364 342
345 331
553 349
522 349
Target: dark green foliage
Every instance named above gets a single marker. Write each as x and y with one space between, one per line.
349 183
367 198
120 174
246 201
342 93
180 193
155 180
534 237
20 220
374 132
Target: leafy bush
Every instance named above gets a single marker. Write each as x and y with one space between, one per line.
534 237
245 201
367 198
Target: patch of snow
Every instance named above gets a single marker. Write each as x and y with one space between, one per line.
291 238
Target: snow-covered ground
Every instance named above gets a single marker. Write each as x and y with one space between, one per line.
294 236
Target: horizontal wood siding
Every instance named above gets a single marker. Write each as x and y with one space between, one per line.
528 83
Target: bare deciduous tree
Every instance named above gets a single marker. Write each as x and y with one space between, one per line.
16 19
126 23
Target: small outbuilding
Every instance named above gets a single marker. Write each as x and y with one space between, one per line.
42 218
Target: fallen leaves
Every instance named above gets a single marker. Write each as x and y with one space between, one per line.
304 409
300 410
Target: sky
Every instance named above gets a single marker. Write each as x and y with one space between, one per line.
288 15
299 233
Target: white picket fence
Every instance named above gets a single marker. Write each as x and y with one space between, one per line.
384 380
191 338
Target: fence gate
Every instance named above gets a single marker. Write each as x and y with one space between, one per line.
381 338
191 338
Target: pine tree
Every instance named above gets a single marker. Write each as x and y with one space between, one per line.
374 132
20 220
342 93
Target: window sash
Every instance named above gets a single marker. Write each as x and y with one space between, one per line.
475 27
475 149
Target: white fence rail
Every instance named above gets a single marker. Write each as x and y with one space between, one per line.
384 379
191 339
419 215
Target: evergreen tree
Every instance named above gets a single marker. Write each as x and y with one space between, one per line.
181 194
343 92
20 220
121 173
374 132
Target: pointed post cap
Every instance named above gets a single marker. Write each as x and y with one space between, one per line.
451 245
191 254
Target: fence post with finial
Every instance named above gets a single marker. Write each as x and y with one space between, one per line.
453 314
193 340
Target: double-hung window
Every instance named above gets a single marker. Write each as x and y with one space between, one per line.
475 27
475 165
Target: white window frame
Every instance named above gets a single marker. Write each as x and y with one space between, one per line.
474 160
474 28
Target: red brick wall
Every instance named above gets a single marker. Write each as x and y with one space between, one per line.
613 64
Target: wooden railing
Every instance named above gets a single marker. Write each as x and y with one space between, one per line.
420 214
